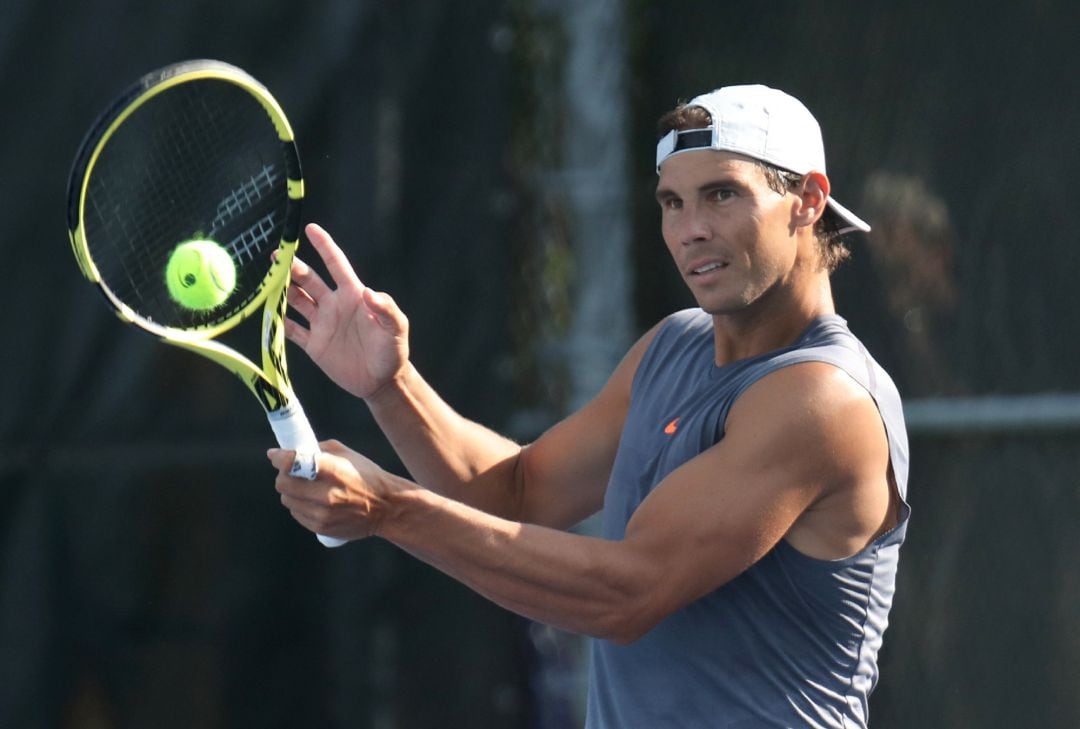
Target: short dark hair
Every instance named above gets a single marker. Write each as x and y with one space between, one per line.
831 244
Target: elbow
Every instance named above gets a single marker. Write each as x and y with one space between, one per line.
635 596
627 622
627 635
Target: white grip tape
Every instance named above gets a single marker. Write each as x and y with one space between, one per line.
294 433
292 429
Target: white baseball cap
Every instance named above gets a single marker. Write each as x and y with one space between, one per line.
763 123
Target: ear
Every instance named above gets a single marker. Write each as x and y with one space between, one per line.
812 195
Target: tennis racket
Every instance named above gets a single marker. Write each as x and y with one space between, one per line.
197 155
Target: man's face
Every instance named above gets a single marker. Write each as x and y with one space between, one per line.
730 235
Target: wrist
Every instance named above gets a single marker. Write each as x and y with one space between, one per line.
403 500
392 390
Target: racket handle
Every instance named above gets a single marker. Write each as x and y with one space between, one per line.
294 433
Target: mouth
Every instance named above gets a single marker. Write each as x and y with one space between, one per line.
706 268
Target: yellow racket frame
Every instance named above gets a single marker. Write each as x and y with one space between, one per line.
270 383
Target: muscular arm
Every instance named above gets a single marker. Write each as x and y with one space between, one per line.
360 339
556 481
799 439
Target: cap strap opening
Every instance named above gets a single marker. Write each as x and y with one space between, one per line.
677 141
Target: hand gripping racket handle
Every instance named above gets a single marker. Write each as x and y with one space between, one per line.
293 432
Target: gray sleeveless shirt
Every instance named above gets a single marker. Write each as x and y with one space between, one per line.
792 641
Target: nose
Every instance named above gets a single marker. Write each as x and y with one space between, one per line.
690 226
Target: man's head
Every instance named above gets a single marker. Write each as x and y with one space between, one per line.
773 129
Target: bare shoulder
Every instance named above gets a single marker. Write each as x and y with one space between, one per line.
826 429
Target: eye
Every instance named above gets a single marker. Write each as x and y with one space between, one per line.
671 203
721 194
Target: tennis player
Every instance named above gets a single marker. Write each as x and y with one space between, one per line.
748 456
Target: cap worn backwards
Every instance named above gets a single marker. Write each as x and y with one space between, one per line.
763 123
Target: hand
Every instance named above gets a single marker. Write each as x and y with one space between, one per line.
358 337
348 498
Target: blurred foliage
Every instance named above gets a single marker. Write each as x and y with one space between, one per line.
543 267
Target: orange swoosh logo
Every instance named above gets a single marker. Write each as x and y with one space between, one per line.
671 427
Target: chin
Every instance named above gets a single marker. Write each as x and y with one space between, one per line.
722 307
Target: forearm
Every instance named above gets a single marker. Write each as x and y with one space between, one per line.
443 450
582 584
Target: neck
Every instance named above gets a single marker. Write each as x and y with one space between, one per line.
772 322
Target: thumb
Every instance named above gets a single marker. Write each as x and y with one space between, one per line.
284 460
280 458
385 311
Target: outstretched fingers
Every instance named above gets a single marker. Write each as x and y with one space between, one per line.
380 305
297 333
337 264
307 279
301 300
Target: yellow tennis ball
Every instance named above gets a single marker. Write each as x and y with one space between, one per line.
200 275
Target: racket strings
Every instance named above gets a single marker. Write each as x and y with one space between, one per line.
201 160
245 247
252 241
245 196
